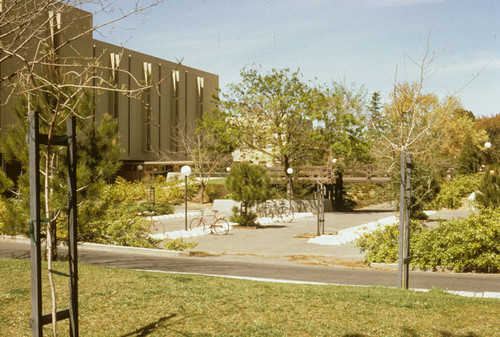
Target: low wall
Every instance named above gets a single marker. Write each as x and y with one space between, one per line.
300 206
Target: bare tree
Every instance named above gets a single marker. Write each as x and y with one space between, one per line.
203 150
41 60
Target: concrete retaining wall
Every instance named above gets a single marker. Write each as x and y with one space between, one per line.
300 206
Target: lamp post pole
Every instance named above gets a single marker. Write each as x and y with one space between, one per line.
186 171
290 172
487 146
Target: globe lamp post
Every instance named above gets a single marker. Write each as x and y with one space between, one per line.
290 172
185 171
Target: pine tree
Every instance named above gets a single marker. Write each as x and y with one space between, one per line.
489 190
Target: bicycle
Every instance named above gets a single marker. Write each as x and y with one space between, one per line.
219 225
155 223
275 208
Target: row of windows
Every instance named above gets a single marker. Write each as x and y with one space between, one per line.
146 99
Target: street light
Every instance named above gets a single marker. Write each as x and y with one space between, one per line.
186 171
290 172
487 145
139 168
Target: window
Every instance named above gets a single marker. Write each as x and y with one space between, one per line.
114 81
146 108
55 27
199 97
174 111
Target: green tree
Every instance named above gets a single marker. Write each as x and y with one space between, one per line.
249 184
492 127
271 114
489 190
340 130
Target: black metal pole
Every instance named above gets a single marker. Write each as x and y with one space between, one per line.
186 203
72 227
34 226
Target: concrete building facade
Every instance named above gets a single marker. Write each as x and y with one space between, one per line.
150 120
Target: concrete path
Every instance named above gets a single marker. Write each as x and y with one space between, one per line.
289 241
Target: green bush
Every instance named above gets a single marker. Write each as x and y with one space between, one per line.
179 244
12 218
451 193
243 218
215 191
462 245
172 192
382 245
120 226
124 191
162 209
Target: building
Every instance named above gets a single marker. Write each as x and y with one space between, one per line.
147 123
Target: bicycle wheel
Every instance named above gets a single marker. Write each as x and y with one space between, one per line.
221 226
286 214
197 223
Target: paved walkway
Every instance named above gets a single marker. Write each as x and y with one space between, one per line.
289 241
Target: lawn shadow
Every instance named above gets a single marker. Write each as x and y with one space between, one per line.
150 328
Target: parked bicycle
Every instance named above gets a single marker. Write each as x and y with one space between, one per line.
155 222
276 209
217 224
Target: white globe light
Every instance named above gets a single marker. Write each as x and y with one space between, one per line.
334 160
186 170
289 170
228 169
487 145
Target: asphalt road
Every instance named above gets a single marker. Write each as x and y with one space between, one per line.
277 270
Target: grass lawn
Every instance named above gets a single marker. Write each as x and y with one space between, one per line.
119 302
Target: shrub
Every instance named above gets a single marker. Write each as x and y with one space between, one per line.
120 227
153 208
462 245
243 218
452 192
12 218
172 192
215 191
382 245
123 191
179 244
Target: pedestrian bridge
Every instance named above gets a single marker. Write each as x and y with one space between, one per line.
360 174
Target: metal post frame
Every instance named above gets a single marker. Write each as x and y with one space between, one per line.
404 221
38 320
72 227
34 225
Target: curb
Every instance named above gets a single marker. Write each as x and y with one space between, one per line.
112 248
136 250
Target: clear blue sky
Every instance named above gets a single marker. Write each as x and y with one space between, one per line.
353 41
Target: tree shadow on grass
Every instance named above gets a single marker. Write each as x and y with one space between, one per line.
150 328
